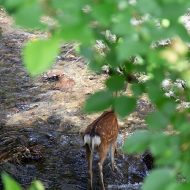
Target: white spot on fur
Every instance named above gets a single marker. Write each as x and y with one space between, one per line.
96 140
92 140
87 139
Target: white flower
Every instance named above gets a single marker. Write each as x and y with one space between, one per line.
180 84
166 84
169 94
109 36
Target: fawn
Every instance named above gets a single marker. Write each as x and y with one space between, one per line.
101 135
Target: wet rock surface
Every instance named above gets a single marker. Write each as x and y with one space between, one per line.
41 118
58 160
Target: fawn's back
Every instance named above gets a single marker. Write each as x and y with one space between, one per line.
106 127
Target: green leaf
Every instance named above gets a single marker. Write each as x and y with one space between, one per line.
73 23
124 105
80 32
181 31
67 5
186 76
165 148
9 183
86 51
157 120
159 179
13 4
184 186
138 89
159 144
123 25
185 168
115 83
181 123
2 2
146 6
98 101
137 142
172 10
37 185
96 63
168 108
29 15
155 92
130 47
179 186
103 12
40 54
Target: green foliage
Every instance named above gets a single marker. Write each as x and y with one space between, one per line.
150 7
36 185
159 147
124 105
177 186
10 184
157 120
138 89
39 55
130 47
99 101
30 20
115 83
30 10
137 142
134 31
164 176
102 16
122 24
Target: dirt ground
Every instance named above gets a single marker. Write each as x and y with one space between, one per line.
41 118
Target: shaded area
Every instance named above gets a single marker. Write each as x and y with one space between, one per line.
58 160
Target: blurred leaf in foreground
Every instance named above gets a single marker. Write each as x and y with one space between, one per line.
9 183
99 101
39 55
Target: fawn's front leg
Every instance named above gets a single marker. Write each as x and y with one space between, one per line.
103 151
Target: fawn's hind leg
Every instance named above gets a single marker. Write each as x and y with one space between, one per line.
113 150
112 154
103 151
90 173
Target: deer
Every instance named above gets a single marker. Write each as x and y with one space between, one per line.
101 135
